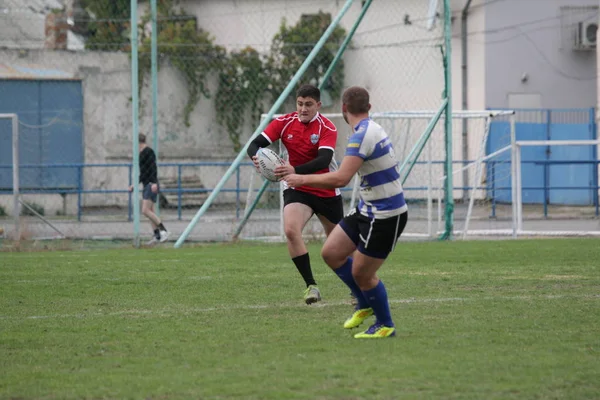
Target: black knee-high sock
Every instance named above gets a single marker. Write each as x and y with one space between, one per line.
303 264
161 227
157 233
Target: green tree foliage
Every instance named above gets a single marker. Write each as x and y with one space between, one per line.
247 81
242 86
185 46
105 24
292 44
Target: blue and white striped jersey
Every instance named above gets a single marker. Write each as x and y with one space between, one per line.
381 194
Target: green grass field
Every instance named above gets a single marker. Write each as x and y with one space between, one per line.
476 320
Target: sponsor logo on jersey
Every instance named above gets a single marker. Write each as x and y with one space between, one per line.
314 138
290 136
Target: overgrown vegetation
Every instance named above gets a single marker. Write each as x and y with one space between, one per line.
292 44
187 47
105 24
247 80
28 208
242 86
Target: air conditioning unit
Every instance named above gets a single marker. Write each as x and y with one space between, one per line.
585 35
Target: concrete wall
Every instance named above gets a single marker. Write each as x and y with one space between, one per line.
529 50
398 61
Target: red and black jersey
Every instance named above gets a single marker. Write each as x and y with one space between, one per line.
302 143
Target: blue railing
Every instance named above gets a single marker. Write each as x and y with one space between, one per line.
491 187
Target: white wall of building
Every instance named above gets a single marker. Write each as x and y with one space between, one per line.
400 64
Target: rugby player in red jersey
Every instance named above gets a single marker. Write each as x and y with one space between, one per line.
309 140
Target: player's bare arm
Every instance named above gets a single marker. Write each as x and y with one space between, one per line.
330 180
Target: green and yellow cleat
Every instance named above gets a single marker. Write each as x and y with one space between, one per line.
312 294
377 331
358 318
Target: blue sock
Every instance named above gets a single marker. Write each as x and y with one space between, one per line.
345 274
378 299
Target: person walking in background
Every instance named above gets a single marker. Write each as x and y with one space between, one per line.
149 180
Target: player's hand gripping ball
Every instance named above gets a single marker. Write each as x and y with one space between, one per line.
268 160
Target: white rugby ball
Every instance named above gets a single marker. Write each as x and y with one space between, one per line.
268 160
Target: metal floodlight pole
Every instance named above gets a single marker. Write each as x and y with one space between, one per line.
154 79
135 124
264 123
15 162
449 195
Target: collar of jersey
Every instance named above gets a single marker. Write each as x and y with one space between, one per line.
314 118
362 123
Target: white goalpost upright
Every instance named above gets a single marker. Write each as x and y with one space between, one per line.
15 171
19 186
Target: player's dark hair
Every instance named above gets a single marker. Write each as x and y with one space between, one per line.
141 138
356 100
309 91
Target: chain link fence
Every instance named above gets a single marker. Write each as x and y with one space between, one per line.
220 66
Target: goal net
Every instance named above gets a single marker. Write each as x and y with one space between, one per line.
477 179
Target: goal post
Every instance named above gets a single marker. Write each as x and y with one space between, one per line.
417 137
14 132
425 181
517 188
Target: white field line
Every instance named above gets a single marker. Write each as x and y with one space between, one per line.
187 311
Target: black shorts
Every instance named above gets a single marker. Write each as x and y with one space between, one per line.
147 193
374 237
331 208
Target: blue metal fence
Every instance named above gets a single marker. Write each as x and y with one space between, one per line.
495 194
561 175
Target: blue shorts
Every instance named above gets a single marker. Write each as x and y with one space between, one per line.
147 193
